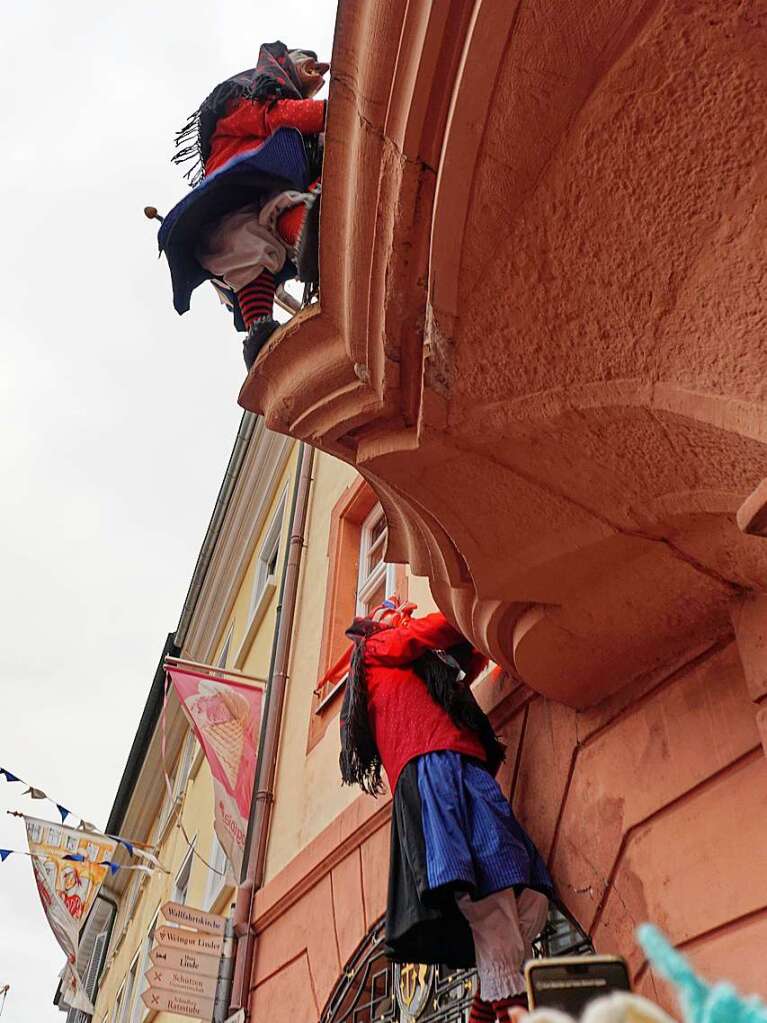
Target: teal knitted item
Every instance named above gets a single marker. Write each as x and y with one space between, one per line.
701 1003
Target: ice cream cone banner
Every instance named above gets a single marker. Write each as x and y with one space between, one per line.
226 717
69 867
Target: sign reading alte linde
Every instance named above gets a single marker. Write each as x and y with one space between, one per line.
186 962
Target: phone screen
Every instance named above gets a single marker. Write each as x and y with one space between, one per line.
570 986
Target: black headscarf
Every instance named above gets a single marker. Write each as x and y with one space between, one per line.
273 78
360 760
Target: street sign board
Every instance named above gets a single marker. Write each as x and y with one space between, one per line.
191 941
182 982
188 916
182 959
182 1005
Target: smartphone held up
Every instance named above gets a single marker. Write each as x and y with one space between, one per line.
568 984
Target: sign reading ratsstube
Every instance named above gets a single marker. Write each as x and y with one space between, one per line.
188 916
186 962
183 1005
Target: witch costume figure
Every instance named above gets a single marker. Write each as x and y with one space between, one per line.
251 220
466 884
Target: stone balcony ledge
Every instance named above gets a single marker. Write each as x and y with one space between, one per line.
540 333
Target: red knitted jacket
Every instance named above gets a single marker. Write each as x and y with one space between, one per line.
406 721
248 123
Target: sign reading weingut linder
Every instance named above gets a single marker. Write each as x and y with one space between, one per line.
189 941
186 962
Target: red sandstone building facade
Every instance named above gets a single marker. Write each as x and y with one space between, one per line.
540 340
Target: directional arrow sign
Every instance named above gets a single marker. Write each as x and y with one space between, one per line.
179 959
182 982
182 1005
188 916
175 937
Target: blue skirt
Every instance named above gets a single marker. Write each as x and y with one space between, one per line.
453 832
277 164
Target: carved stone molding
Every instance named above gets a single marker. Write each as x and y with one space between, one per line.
539 334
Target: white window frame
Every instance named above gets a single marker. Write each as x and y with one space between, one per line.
178 782
224 655
265 579
267 569
139 1009
129 990
186 863
184 766
216 881
117 1009
368 582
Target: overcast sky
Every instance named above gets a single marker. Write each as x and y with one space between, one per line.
117 416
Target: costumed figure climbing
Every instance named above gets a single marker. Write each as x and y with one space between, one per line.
466 884
251 221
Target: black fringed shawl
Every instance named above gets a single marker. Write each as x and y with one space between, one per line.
273 78
360 761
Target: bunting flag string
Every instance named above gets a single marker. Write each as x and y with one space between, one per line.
140 849
79 858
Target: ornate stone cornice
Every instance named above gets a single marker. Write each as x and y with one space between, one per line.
539 333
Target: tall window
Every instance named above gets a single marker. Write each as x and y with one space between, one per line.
376 579
216 873
358 580
224 655
184 765
130 984
117 1011
181 887
179 780
143 983
265 579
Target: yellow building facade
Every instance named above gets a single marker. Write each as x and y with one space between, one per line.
229 620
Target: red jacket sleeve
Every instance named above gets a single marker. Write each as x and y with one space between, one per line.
308 115
406 643
252 118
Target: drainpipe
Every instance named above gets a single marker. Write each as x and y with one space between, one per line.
266 769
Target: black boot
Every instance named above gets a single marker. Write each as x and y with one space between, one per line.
257 336
308 243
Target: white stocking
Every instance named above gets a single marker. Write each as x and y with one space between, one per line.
504 927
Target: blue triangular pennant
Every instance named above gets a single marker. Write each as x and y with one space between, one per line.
4 854
63 811
113 867
75 857
128 845
8 775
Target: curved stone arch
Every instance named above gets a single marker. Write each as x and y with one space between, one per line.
367 989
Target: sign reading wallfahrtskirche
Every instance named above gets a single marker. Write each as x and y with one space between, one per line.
188 916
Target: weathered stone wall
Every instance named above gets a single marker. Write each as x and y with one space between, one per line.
649 806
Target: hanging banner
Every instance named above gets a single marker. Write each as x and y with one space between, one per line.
226 718
68 871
